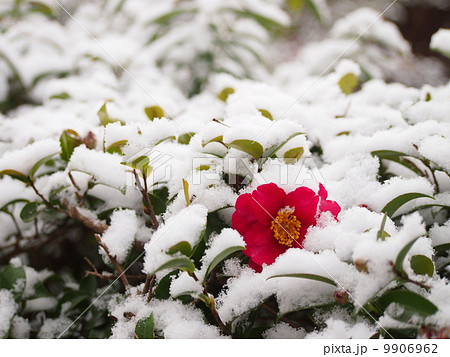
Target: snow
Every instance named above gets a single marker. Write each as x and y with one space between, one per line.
106 168
339 330
187 225
172 319
22 160
119 236
440 41
8 308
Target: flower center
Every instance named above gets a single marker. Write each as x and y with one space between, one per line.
286 227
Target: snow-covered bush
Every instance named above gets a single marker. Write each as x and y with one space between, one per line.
159 180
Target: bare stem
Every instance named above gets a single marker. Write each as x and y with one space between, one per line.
114 261
147 203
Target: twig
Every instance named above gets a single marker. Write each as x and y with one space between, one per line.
73 212
113 261
148 287
212 307
47 202
112 276
147 203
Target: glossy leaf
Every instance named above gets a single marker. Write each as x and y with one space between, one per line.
392 206
221 256
186 192
185 138
183 264
16 175
217 139
397 157
159 199
104 117
306 276
401 257
410 300
273 150
250 147
145 328
293 155
183 247
422 265
348 83
30 211
154 112
37 165
266 113
116 147
9 277
223 95
68 141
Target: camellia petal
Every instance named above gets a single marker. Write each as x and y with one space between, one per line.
272 222
261 247
327 205
244 217
304 201
267 201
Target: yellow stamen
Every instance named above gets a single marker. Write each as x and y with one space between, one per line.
286 227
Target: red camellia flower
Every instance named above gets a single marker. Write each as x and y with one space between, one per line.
272 221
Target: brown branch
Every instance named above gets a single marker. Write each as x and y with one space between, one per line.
114 262
147 203
73 212
148 287
113 276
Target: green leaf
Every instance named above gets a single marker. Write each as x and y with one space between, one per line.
10 276
104 117
273 150
306 276
223 95
422 265
186 192
116 147
203 168
217 139
30 211
145 328
442 247
409 300
185 138
348 83
250 147
159 199
266 114
68 141
293 155
183 247
296 5
154 112
37 165
89 285
16 175
392 206
63 95
36 6
5 206
221 256
269 24
401 257
183 264
382 234
315 10
162 291
397 157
